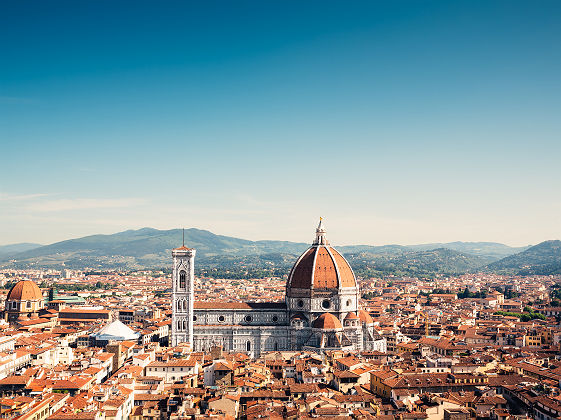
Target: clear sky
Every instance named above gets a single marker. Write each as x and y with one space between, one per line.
397 121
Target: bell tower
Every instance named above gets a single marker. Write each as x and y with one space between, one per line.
183 295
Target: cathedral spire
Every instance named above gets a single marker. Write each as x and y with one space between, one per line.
320 234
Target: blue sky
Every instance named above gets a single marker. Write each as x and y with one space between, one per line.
398 122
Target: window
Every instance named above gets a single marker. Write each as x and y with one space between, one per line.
178 305
326 304
300 303
275 318
248 346
194 318
179 325
221 318
28 304
247 318
182 279
349 302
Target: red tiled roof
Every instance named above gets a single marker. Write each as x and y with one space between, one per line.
25 290
321 267
327 321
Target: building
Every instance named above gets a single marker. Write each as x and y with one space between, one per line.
320 312
24 302
69 316
183 295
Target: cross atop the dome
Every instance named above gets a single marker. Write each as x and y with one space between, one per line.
320 234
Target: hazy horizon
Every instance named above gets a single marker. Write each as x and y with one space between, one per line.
398 122
269 239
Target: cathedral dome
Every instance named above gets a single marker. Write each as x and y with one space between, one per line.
321 267
25 290
327 321
351 316
365 317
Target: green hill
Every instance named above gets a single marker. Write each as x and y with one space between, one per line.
226 256
143 248
416 263
492 250
541 259
7 250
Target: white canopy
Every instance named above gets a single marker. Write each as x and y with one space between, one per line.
116 331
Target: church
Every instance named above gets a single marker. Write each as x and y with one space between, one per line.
320 313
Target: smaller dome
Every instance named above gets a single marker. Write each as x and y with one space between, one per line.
327 321
351 316
25 290
365 317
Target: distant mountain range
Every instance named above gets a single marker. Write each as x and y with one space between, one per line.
541 259
7 250
227 256
484 249
143 248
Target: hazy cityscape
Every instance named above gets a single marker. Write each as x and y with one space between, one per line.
280 210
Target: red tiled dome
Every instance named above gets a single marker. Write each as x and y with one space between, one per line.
25 290
351 316
327 321
321 267
365 317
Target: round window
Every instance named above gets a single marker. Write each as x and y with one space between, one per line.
247 318
300 303
349 302
221 318
326 304
275 318
194 317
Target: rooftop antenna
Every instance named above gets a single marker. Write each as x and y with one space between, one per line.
183 236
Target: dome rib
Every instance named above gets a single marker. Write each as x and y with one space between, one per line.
325 272
313 278
303 270
345 271
337 272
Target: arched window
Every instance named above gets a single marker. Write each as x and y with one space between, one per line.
184 305
182 279
248 346
178 305
184 325
276 346
28 304
178 325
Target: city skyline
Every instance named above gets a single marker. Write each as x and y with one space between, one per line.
398 123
